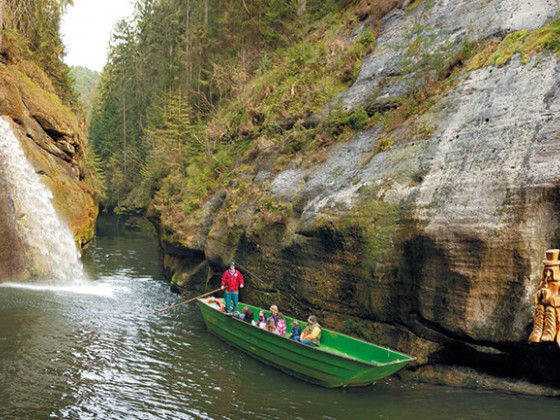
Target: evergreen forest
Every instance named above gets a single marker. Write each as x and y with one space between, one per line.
192 85
84 83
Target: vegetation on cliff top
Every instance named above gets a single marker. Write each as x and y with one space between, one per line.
31 32
197 95
190 87
524 43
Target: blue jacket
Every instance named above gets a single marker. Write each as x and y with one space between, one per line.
296 332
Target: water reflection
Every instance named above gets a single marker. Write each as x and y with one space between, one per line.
105 356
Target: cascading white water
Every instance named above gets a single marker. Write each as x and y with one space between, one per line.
49 243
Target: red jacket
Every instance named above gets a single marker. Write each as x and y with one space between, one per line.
232 281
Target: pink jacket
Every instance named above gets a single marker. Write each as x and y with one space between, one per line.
281 327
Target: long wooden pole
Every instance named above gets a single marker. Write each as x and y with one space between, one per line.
187 301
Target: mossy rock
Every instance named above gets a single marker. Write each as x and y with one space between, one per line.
71 198
46 107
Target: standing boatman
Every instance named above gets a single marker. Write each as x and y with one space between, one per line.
232 280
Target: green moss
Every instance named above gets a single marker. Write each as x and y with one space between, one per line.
522 42
354 328
413 4
380 220
375 222
384 144
507 48
547 37
44 100
270 204
179 279
479 59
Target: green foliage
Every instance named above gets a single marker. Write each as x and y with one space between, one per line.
270 204
278 14
188 83
357 118
33 51
37 23
367 39
319 9
339 119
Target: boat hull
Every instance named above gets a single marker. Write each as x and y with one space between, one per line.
312 364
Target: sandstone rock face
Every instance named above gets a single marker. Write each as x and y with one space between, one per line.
434 246
452 22
51 138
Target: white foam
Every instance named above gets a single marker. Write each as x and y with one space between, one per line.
85 288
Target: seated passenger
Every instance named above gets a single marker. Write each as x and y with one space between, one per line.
249 318
242 314
270 327
281 324
274 313
296 331
312 333
261 323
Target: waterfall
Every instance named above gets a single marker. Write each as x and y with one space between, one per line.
48 241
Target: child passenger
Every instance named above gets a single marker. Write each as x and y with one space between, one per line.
274 313
270 327
261 323
296 331
281 324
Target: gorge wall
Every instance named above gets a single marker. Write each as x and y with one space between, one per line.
53 141
433 245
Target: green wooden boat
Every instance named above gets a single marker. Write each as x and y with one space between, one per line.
340 361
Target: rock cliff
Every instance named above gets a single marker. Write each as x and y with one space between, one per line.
52 139
433 245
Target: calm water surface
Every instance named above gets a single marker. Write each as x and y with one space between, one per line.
97 352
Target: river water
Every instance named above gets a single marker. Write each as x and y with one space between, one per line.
96 351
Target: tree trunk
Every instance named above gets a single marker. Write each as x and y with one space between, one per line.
124 129
188 67
302 5
206 12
